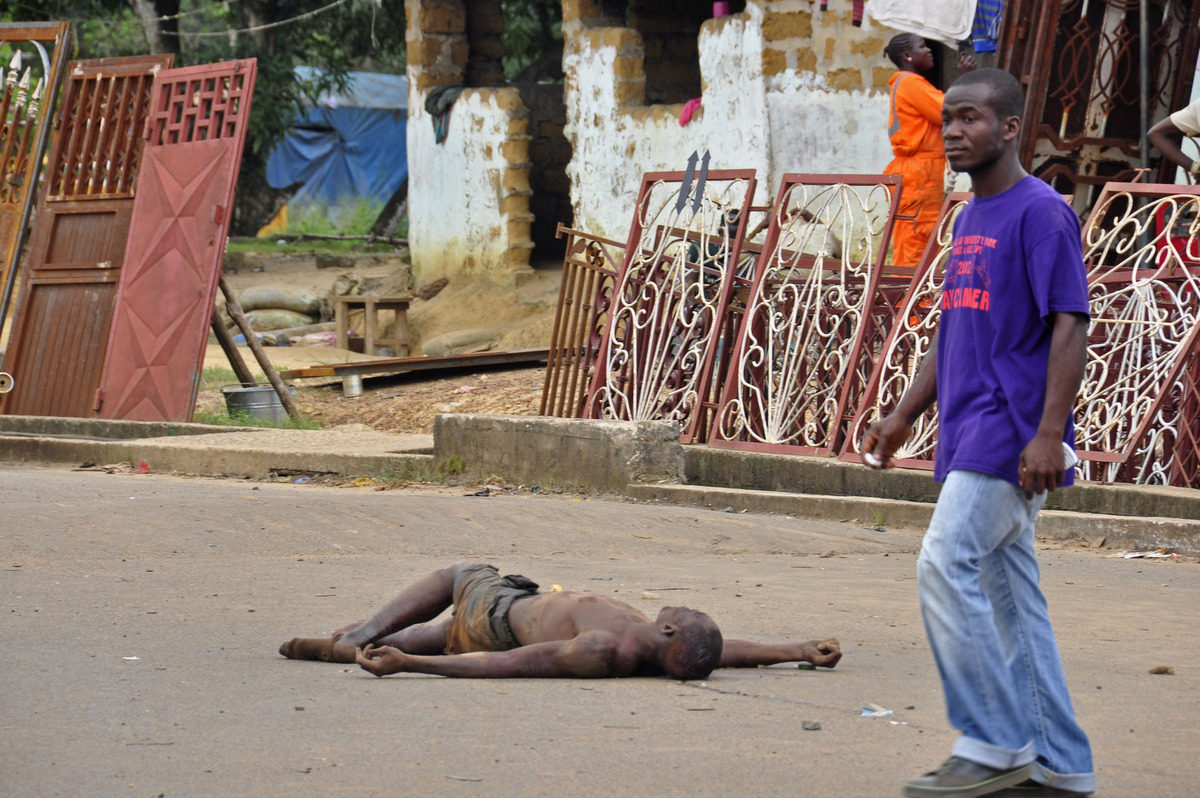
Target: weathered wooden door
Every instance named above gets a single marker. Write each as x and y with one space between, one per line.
60 331
195 134
28 89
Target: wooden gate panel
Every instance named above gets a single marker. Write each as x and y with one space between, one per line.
27 97
185 188
60 332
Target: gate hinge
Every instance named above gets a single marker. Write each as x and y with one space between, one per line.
99 400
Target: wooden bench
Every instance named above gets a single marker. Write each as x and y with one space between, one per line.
371 305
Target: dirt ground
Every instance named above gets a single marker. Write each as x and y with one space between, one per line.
514 318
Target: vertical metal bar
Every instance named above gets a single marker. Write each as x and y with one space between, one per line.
61 45
1144 79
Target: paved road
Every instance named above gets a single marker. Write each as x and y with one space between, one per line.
142 614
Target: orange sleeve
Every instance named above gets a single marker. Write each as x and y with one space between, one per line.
924 99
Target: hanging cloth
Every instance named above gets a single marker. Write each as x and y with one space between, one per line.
437 104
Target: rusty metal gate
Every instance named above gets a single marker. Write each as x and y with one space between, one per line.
670 310
821 304
1138 414
906 345
1079 61
589 273
61 327
27 96
181 212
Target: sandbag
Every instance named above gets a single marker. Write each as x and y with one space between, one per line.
276 319
285 297
460 342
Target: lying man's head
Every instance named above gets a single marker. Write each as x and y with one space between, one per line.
692 646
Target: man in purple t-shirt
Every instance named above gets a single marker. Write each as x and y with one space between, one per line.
1010 350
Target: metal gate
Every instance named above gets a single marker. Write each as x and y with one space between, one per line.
1080 63
821 305
27 96
185 188
670 310
60 331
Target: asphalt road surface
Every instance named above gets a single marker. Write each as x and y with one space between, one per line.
142 615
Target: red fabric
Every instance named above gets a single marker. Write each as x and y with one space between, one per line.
689 108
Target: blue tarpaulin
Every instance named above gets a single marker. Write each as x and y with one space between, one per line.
349 146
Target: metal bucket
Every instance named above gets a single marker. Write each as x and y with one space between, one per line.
259 402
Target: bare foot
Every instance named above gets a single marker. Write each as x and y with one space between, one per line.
322 649
823 653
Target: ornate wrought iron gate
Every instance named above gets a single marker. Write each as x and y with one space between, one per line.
820 306
196 131
60 331
27 97
1079 63
669 315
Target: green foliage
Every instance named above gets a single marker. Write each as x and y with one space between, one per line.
308 246
420 469
532 34
240 418
213 378
352 217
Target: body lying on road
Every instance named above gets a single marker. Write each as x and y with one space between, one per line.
503 627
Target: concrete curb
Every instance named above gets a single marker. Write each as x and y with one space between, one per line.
562 452
246 462
1121 532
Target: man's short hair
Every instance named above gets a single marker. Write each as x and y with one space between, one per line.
1004 91
695 650
898 44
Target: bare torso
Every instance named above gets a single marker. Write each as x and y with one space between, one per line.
567 614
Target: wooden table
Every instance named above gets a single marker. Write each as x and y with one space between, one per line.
371 305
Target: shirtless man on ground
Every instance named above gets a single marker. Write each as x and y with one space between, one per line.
502 627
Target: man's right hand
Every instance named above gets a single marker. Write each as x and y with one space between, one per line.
380 660
882 440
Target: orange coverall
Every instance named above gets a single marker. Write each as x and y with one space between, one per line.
915 130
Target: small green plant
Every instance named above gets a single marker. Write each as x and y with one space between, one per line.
419 469
240 418
213 378
879 514
351 217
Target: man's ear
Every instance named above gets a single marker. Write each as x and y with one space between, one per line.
1012 127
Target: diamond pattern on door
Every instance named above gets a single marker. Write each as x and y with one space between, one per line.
176 242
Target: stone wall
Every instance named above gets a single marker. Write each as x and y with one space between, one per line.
469 195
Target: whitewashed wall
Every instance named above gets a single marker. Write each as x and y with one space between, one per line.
456 221
789 122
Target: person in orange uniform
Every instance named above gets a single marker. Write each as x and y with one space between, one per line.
915 130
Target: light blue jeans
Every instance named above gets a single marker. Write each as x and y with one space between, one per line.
989 628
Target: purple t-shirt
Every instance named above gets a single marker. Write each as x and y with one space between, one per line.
1016 259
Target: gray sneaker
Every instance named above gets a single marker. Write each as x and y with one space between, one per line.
962 778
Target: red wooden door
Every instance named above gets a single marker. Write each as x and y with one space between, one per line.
196 131
60 331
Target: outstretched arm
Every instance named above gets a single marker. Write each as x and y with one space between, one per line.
747 654
1166 137
588 656
888 434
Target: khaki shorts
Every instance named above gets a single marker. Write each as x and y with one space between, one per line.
482 599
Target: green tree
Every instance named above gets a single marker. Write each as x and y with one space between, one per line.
336 36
